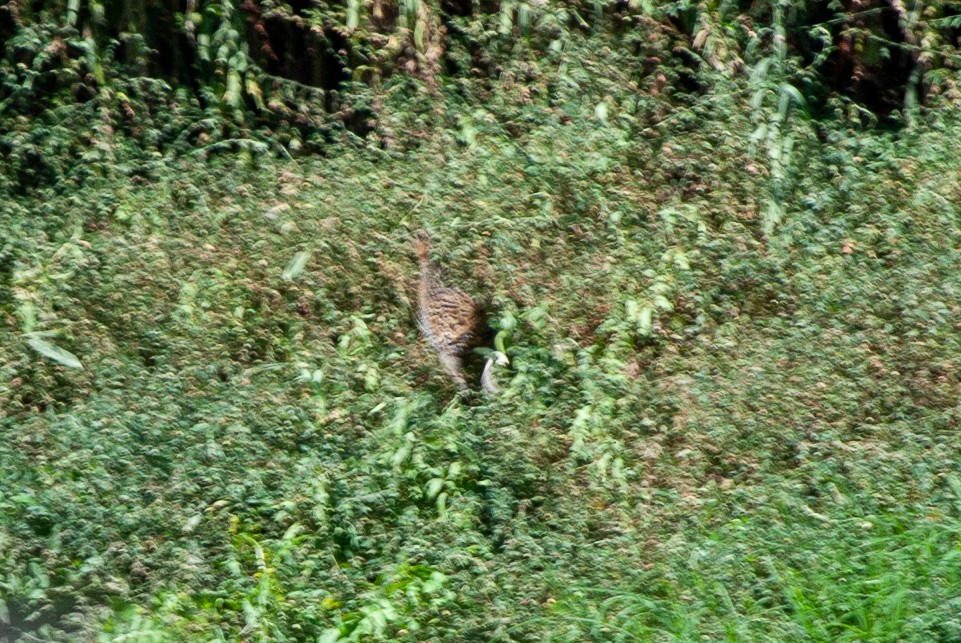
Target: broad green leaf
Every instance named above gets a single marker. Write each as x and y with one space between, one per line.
434 485
296 265
499 340
254 91
646 320
55 353
442 504
663 302
419 29
401 454
232 93
506 18
524 17
600 110
73 10
292 531
353 14
603 463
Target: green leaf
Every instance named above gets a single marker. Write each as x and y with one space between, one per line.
663 302
292 531
759 72
680 258
506 18
645 320
419 29
600 111
401 454
73 10
296 265
955 483
55 353
232 93
434 485
499 340
353 14
330 635
524 17
442 505
254 91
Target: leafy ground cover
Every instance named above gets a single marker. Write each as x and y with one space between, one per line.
731 411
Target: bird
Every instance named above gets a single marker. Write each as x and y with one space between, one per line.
450 319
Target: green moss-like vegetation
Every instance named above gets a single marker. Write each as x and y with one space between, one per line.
731 411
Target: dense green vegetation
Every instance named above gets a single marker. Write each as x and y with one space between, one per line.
727 274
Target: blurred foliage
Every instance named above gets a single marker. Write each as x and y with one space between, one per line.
727 285
221 74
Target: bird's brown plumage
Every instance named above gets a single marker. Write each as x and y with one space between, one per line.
450 319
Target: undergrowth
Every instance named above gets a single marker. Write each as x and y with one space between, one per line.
730 411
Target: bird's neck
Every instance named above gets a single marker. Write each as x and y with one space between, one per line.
429 276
